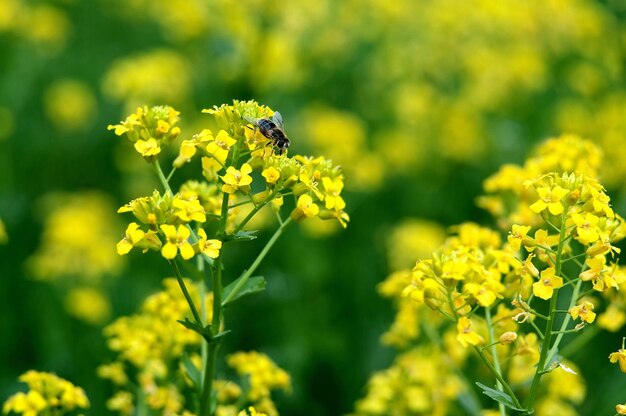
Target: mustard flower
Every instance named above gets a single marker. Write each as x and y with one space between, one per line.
132 236
122 402
332 188
271 175
620 409
46 391
30 404
147 148
465 334
186 152
485 293
237 179
550 198
619 357
305 207
220 146
517 234
188 209
599 273
584 311
548 281
251 412
586 227
208 247
176 241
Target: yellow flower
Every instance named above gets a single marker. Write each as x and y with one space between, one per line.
46 390
220 146
186 153
251 412
147 148
465 334
619 357
209 247
621 409
305 207
237 179
544 288
333 188
176 241
131 238
584 311
518 232
586 228
271 175
189 209
550 198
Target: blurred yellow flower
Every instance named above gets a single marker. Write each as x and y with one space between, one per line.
70 104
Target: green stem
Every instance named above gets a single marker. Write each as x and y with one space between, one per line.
565 322
241 282
209 364
547 339
252 213
499 377
490 366
494 354
183 287
162 178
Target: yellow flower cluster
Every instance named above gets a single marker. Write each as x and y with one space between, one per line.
151 345
47 394
76 248
508 198
568 237
421 381
43 25
150 77
157 353
70 105
231 161
149 129
262 374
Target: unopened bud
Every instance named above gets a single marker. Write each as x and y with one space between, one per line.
508 338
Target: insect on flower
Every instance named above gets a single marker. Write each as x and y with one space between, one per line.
273 129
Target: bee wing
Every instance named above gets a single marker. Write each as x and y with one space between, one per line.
278 120
251 120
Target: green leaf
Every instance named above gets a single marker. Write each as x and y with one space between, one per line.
205 331
192 371
245 235
500 397
254 284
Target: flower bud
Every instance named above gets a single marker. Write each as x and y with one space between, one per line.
508 337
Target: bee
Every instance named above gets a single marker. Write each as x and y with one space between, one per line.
273 129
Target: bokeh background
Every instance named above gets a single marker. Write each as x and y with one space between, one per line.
419 101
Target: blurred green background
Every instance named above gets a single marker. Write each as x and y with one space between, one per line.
419 101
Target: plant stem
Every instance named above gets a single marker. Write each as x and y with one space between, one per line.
252 213
183 287
209 364
257 261
490 366
499 377
162 178
547 339
494 354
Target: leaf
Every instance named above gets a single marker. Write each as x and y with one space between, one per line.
192 371
245 235
254 284
500 397
205 331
